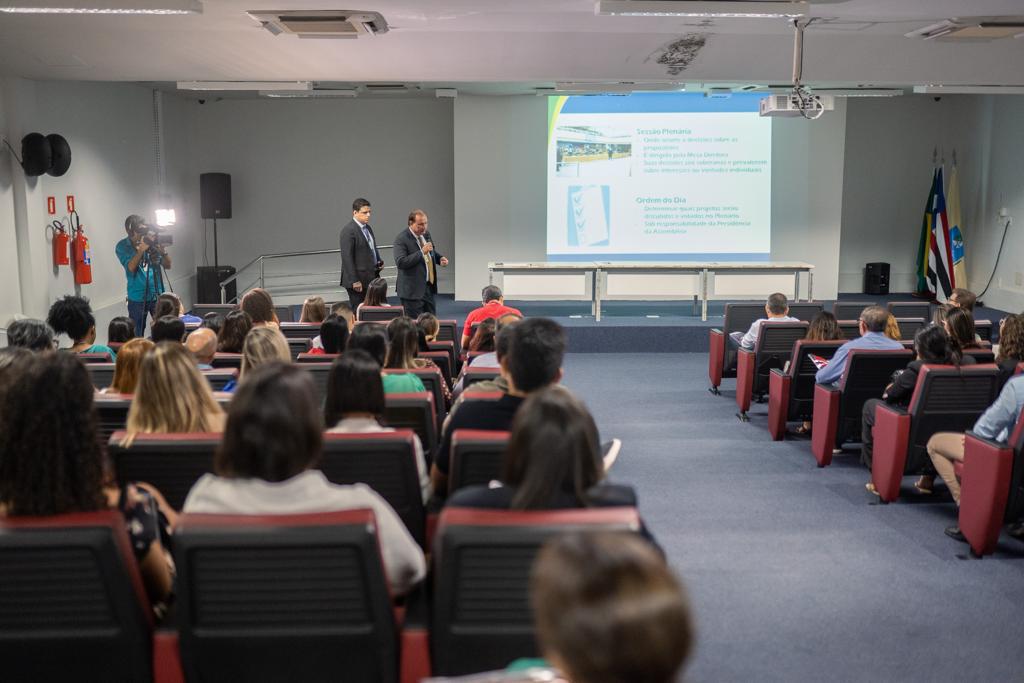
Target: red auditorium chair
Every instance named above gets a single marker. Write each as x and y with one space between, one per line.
431 379
379 314
473 375
772 349
722 358
316 357
170 462
946 399
805 310
102 374
441 360
991 487
449 330
285 314
72 601
227 360
297 346
286 597
838 409
981 356
321 373
115 346
112 414
448 346
219 377
984 329
922 310
791 391
90 358
477 455
302 331
849 310
481 618
849 328
384 461
910 326
415 411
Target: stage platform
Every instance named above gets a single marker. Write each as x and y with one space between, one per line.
644 326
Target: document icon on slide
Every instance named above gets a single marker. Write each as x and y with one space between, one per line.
588 215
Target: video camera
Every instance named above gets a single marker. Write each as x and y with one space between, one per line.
155 235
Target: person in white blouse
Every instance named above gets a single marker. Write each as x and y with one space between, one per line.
265 465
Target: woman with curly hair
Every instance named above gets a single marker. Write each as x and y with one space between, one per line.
126 370
73 316
1010 351
53 464
232 333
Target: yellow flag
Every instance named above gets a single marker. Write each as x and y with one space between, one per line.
956 231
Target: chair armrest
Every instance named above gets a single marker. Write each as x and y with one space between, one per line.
167 657
415 636
824 423
779 387
716 356
892 435
746 365
984 490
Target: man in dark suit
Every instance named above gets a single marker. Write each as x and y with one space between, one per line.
417 262
360 260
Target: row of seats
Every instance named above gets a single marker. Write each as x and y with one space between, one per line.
323 612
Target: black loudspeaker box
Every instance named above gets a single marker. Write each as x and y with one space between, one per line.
876 278
215 195
208 284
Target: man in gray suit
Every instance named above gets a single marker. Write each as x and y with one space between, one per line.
417 262
360 260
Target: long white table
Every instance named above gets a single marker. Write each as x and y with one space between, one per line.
596 281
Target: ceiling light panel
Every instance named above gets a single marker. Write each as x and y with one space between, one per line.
157 7
725 9
245 85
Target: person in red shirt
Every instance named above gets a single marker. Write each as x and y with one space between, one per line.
494 307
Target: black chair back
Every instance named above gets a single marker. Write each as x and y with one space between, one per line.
289 597
219 377
910 326
200 310
473 375
476 457
413 411
302 331
449 331
481 618
805 310
321 373
850 329
849 310
947 399
774 346
379 314
738 318
441 360
981 356
227 360
911 309
72 603
802 369
1015 501
448 347
102 374
112 414
286 314
172 463
316 357
297 346
384 461
984 329
90 358
866 375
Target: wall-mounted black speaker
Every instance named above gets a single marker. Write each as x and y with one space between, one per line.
215 195
61 152
876 278
36 154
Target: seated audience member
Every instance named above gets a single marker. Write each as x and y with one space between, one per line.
53 463
1010 351
262 345
267 461
232 335
202 344
213 321
171 396
258 303
608 609
932 346
168 303
941 312
429 326
533 362
824 327
355 404
402 348
374 340
483 338
946 448
872 336
960 326
376 295
168 328
493 307
314 310
777 310
490 360
120 329
964 299
343 311
72 315
126 369
892 328
31 334
333 336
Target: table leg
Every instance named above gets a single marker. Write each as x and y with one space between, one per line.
810 285
597 294
490 276
796 285
704 294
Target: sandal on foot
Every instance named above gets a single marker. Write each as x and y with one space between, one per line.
871 489
923 486
802 431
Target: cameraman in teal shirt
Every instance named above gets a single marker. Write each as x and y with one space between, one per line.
142 258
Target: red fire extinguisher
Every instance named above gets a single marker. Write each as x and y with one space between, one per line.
60 244
82 253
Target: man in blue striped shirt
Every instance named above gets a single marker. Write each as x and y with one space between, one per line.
872 336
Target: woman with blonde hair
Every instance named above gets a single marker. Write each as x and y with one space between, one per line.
314 310
126 370
892 328
172 396
262 345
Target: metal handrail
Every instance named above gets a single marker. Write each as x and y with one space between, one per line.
262 258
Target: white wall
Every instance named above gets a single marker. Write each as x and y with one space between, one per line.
10 287
110 130
296 166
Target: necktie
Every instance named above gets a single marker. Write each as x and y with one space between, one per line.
369 240
429 259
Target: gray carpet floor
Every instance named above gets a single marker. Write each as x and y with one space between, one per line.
794 573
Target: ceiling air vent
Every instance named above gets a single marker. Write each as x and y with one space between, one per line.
321 23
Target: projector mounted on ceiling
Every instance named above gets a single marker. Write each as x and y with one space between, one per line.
800 101
322 23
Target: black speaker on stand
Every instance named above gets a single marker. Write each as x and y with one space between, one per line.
215 202
876 278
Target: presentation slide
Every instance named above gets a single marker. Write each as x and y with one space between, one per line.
658 177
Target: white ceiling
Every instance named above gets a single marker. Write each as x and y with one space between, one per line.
511 45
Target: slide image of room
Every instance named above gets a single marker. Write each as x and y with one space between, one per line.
587 152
